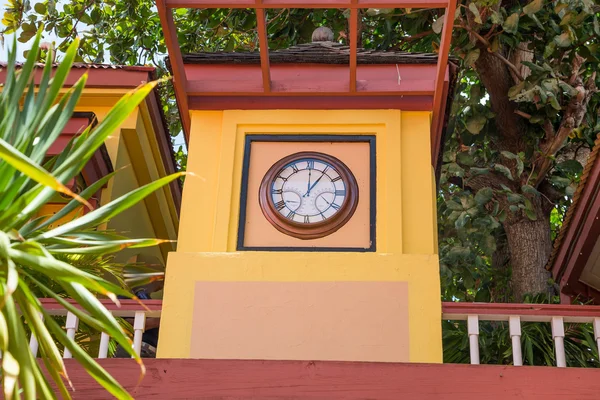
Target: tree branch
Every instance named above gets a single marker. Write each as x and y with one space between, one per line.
572 118
488 46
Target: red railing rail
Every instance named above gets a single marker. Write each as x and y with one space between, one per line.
528 312
125 308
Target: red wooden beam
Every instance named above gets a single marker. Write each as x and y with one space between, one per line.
286 87
353 46
179 77
308 4
261 25
250 379
319 102
119 77
442 69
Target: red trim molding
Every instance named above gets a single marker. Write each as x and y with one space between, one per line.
250 379
101 77
582 232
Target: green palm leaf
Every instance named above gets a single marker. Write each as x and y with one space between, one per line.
68 261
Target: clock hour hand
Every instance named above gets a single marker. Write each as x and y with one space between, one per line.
308 187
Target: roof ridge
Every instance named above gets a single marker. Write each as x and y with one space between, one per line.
313 53
84 65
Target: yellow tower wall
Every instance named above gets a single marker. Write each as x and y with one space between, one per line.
366 306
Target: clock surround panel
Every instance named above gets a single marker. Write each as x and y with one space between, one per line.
263 155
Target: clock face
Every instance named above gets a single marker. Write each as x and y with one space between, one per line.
308 195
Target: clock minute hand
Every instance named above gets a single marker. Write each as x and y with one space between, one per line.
314 184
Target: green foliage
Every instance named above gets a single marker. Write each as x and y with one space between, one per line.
36 260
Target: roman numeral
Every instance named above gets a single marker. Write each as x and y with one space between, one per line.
337 178
280 205
294 167
340 192
310 164
290 215
306 219
276 191
335 206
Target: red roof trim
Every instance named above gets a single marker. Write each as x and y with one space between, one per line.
581 228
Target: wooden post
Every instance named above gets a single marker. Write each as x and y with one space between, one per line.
514 323
71 325
33 342
473 329
558 334
139 324
104 340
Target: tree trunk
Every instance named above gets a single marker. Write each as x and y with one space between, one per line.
501 290
530 246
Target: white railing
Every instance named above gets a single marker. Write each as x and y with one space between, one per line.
128 309
555 314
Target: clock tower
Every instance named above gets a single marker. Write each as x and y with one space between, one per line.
308 224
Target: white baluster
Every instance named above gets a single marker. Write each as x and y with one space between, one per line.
139 323
558 334
514 323
103 351
33 342
597 332
473 329
71 325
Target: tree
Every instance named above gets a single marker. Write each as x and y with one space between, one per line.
37 260
526 106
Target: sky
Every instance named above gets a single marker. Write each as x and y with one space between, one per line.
8 39
21 47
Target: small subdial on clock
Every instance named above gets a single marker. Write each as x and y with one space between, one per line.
292 199
324 201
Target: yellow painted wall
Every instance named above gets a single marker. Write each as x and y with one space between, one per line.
133 148
406 224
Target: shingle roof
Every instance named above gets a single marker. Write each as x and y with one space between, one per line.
313 53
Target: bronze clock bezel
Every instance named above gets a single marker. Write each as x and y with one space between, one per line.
314 230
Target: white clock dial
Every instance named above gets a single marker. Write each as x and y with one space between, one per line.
308 191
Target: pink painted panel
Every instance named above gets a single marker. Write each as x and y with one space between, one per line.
343 321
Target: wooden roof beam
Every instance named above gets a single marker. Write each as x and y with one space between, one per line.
261 25
179 77
307 4
353 46
442 67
